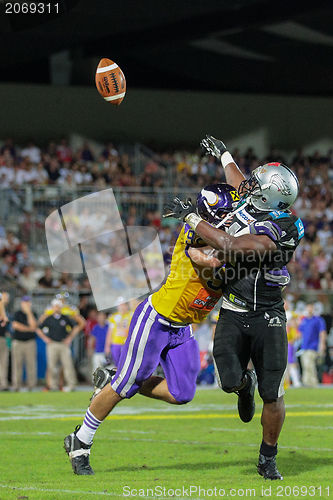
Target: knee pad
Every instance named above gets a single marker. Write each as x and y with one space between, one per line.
231 389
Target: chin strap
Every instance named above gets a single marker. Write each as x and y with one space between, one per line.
230 215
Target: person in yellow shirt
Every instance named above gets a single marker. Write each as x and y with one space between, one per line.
160 332
66 309
117 332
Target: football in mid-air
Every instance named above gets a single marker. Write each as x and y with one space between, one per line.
110 81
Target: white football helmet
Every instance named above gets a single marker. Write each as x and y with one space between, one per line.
272 186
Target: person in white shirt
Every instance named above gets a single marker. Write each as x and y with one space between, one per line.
32 152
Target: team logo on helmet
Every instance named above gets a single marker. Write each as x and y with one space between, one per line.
281 184
211 197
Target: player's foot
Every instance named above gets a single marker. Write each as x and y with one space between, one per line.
267 467
246 404
78 453
101 377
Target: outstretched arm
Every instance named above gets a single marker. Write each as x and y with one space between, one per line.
218 149
229 246
262 240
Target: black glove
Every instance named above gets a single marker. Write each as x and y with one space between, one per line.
212 146
178 209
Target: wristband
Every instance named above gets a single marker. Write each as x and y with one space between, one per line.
193 220
226 158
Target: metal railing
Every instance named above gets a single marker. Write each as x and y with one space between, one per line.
24 210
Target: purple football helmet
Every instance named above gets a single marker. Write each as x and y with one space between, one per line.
215 201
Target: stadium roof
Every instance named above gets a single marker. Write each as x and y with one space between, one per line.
283 47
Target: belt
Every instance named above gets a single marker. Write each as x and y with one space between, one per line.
165 321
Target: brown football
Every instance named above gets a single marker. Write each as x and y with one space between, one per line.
110 81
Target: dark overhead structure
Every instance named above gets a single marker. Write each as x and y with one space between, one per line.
281 47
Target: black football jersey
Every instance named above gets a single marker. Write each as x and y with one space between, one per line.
248 286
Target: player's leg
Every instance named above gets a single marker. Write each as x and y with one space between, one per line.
139 358
269 353
231 351
157 388
154 387
181 365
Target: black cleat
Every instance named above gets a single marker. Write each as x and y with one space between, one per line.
78 453
267 468
246 404
101 377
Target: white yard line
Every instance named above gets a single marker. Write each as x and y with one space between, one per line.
53 490
317 427
223 429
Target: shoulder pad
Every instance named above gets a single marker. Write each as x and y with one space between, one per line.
300 228
277 214
268 228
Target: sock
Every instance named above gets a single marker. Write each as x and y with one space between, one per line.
88 428
267 450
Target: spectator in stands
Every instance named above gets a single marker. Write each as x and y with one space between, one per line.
313 331
27 279
86 153
32 152
64 152
60 331
8 147
24 345
4 351
47 280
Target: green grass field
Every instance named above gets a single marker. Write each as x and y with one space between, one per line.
150 445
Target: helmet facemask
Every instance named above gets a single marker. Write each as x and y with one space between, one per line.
249 187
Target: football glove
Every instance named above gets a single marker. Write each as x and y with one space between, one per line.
212 146
178 209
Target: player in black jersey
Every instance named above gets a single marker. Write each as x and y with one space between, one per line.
256 242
